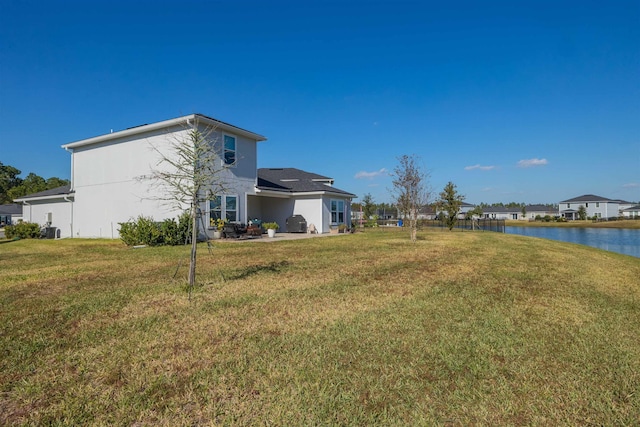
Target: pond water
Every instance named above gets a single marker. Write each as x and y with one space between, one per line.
620 240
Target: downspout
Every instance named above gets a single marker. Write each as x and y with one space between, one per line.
66 199
72 187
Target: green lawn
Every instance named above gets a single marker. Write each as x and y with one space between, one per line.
460 328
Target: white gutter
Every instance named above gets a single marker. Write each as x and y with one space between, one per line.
162 125
55 196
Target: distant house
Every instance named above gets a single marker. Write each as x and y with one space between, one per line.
106 186
10 213
501 212
534 211
595 207
631 212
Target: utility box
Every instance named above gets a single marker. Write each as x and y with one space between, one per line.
296 224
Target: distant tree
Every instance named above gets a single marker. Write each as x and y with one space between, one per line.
8 180
582 213
411 191
33 184
524 211
449 203
55 182
368 206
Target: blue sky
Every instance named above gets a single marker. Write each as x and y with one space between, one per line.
528 101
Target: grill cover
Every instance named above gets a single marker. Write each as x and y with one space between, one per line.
296 224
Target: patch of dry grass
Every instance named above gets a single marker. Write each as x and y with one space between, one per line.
459 328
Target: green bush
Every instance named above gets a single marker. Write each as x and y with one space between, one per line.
23 230
145 231
149 231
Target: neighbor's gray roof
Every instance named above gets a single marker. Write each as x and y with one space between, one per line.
59 191
500 209
587 198
292 180
540 208
11 209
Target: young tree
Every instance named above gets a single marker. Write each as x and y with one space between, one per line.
476 211
368 206
411 191
449 203
582 213
189 174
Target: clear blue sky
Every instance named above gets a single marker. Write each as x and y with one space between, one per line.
527 101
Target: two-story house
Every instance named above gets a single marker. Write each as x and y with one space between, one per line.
108 184
595 206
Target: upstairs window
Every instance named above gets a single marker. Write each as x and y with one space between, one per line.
229 151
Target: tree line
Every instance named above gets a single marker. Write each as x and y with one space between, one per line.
13 187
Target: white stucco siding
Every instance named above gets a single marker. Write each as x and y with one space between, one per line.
111 182
601 209
311 209
60 212
247 159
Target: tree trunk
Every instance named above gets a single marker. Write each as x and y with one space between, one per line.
194 242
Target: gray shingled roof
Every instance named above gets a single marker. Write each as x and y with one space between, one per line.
65 189
292 180
11 209
587 198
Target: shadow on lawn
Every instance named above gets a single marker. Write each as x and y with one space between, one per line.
272 267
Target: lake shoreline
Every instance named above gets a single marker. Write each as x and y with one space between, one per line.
627 224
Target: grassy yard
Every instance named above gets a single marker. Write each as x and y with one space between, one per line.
460 328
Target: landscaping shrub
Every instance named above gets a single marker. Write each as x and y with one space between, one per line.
145 231
23 230
176 233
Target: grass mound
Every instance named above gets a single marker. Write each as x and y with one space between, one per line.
459 328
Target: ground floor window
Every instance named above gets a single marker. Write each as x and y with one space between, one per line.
337 211
223 207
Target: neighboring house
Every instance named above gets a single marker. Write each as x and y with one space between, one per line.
464 209
501 212
10 214
595 206
533 211
631 212
108 185
623 205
